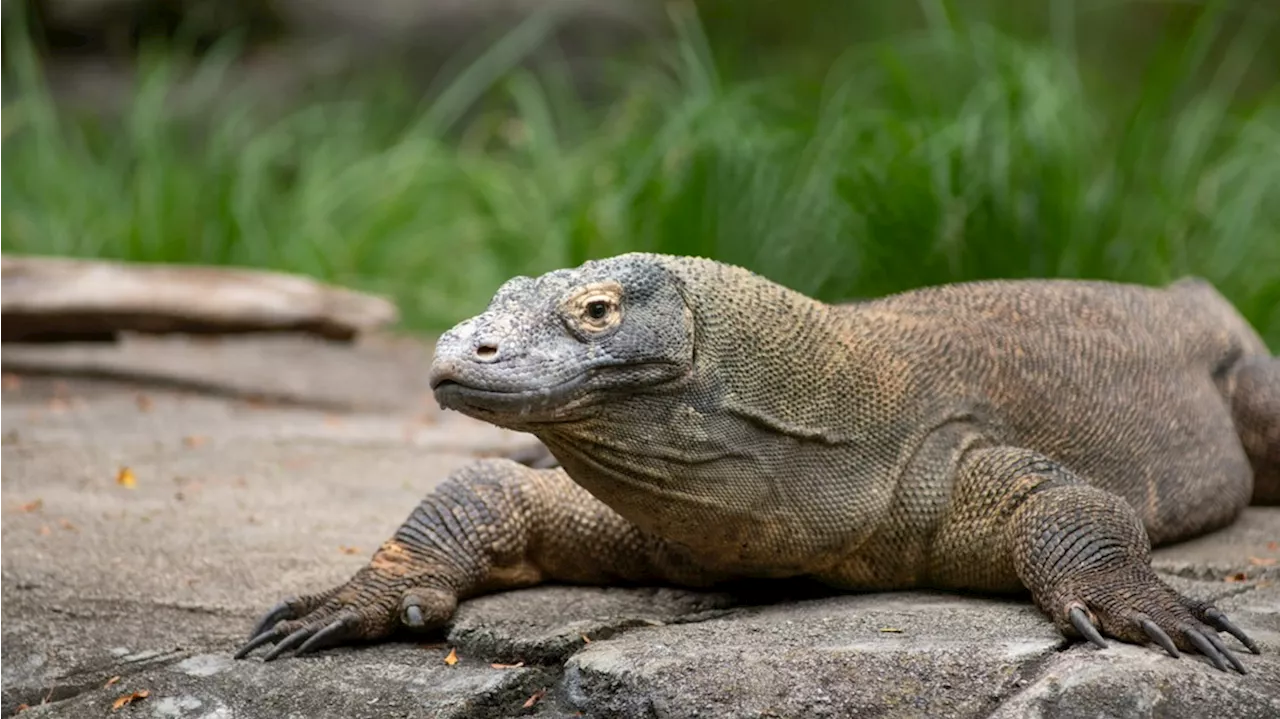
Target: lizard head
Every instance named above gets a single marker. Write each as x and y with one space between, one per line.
550 349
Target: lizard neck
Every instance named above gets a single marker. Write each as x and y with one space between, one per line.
748 458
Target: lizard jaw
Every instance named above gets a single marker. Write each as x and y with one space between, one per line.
453 393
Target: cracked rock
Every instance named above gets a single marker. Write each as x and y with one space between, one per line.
915 654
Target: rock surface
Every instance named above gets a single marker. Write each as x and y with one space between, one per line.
238 502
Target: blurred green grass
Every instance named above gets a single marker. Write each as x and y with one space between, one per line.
951 152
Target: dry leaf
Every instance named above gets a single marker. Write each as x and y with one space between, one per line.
67 525
194 440
125 478
45 531
111 681
129 699
1237 577
452 658
517 665
534 699
1262 561
1273 546
22 708
586 639
890 630
349 550
32 505
144 403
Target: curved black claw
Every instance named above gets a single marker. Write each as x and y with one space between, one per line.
283 610
1159 636
1216 619
1081 622
337 630
290 642
263 638
1204 647
1219 650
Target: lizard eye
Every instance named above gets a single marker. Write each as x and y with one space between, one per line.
597 309
599 312
594 309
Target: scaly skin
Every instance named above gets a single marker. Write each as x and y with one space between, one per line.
710 425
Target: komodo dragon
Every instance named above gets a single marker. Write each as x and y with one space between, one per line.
711 425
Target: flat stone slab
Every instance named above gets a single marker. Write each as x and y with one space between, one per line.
236 503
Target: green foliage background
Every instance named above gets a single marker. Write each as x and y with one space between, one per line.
840 148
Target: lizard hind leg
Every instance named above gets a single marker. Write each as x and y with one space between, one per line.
1255 407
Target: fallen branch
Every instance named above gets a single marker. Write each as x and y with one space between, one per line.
47 299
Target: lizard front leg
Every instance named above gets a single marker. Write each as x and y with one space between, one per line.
495 524
1019 519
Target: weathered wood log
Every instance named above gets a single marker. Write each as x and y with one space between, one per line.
46 299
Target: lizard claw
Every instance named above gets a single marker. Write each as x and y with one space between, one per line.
1138 607
1159 636
262 638
1211 646
289 642
283 610
1084 625
1214 617
334 633
413 616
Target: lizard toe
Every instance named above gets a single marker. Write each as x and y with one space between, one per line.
333 634
423 608
290 608
362 609
1214 617
315 634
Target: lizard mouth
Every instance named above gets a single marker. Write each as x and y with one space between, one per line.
554 402
452 393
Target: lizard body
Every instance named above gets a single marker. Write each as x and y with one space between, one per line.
707 424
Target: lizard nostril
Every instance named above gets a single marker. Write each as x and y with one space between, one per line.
486 351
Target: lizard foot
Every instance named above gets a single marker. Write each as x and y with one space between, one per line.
1137 607
370 606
